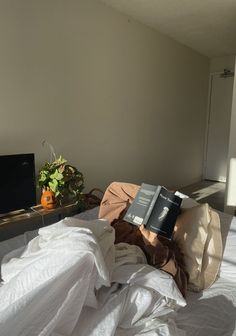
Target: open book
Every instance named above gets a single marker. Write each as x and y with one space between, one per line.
155 207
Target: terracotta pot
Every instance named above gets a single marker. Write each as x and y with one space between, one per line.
48 200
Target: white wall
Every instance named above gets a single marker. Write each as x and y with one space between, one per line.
218 64
116 98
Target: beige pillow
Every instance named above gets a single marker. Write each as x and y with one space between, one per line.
198 233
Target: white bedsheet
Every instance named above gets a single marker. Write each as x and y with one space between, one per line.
47 287
144 304
50 288
228 265
210 313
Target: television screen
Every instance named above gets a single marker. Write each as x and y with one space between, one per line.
17 182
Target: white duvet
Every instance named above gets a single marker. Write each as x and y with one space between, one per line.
73 280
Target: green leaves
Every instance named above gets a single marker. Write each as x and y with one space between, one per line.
66 181
43 176
56 175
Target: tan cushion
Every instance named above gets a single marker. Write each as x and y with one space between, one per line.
198 233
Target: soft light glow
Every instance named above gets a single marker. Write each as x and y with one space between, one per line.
231 194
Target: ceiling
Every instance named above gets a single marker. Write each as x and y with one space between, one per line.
207 26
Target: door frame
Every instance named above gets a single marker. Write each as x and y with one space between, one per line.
210 80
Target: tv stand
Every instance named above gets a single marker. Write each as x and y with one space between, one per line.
13 213
17 222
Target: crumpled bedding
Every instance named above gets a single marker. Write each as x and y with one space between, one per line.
72 280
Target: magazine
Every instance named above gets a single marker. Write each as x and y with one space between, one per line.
155 207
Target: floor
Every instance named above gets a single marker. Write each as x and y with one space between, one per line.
210 192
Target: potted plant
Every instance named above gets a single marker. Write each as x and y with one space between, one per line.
64 180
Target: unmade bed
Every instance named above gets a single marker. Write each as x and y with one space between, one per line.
72 280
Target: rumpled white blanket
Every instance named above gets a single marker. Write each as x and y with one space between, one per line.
72 280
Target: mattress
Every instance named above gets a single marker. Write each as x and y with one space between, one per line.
211 312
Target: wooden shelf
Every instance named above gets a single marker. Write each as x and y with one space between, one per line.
16 223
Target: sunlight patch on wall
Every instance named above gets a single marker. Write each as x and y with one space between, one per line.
231 194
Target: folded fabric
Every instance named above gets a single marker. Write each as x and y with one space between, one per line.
141 301
198 233
49 283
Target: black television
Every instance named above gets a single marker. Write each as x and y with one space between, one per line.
17 182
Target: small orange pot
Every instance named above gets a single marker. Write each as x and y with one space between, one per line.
48 199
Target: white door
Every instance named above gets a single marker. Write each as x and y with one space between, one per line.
219 127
